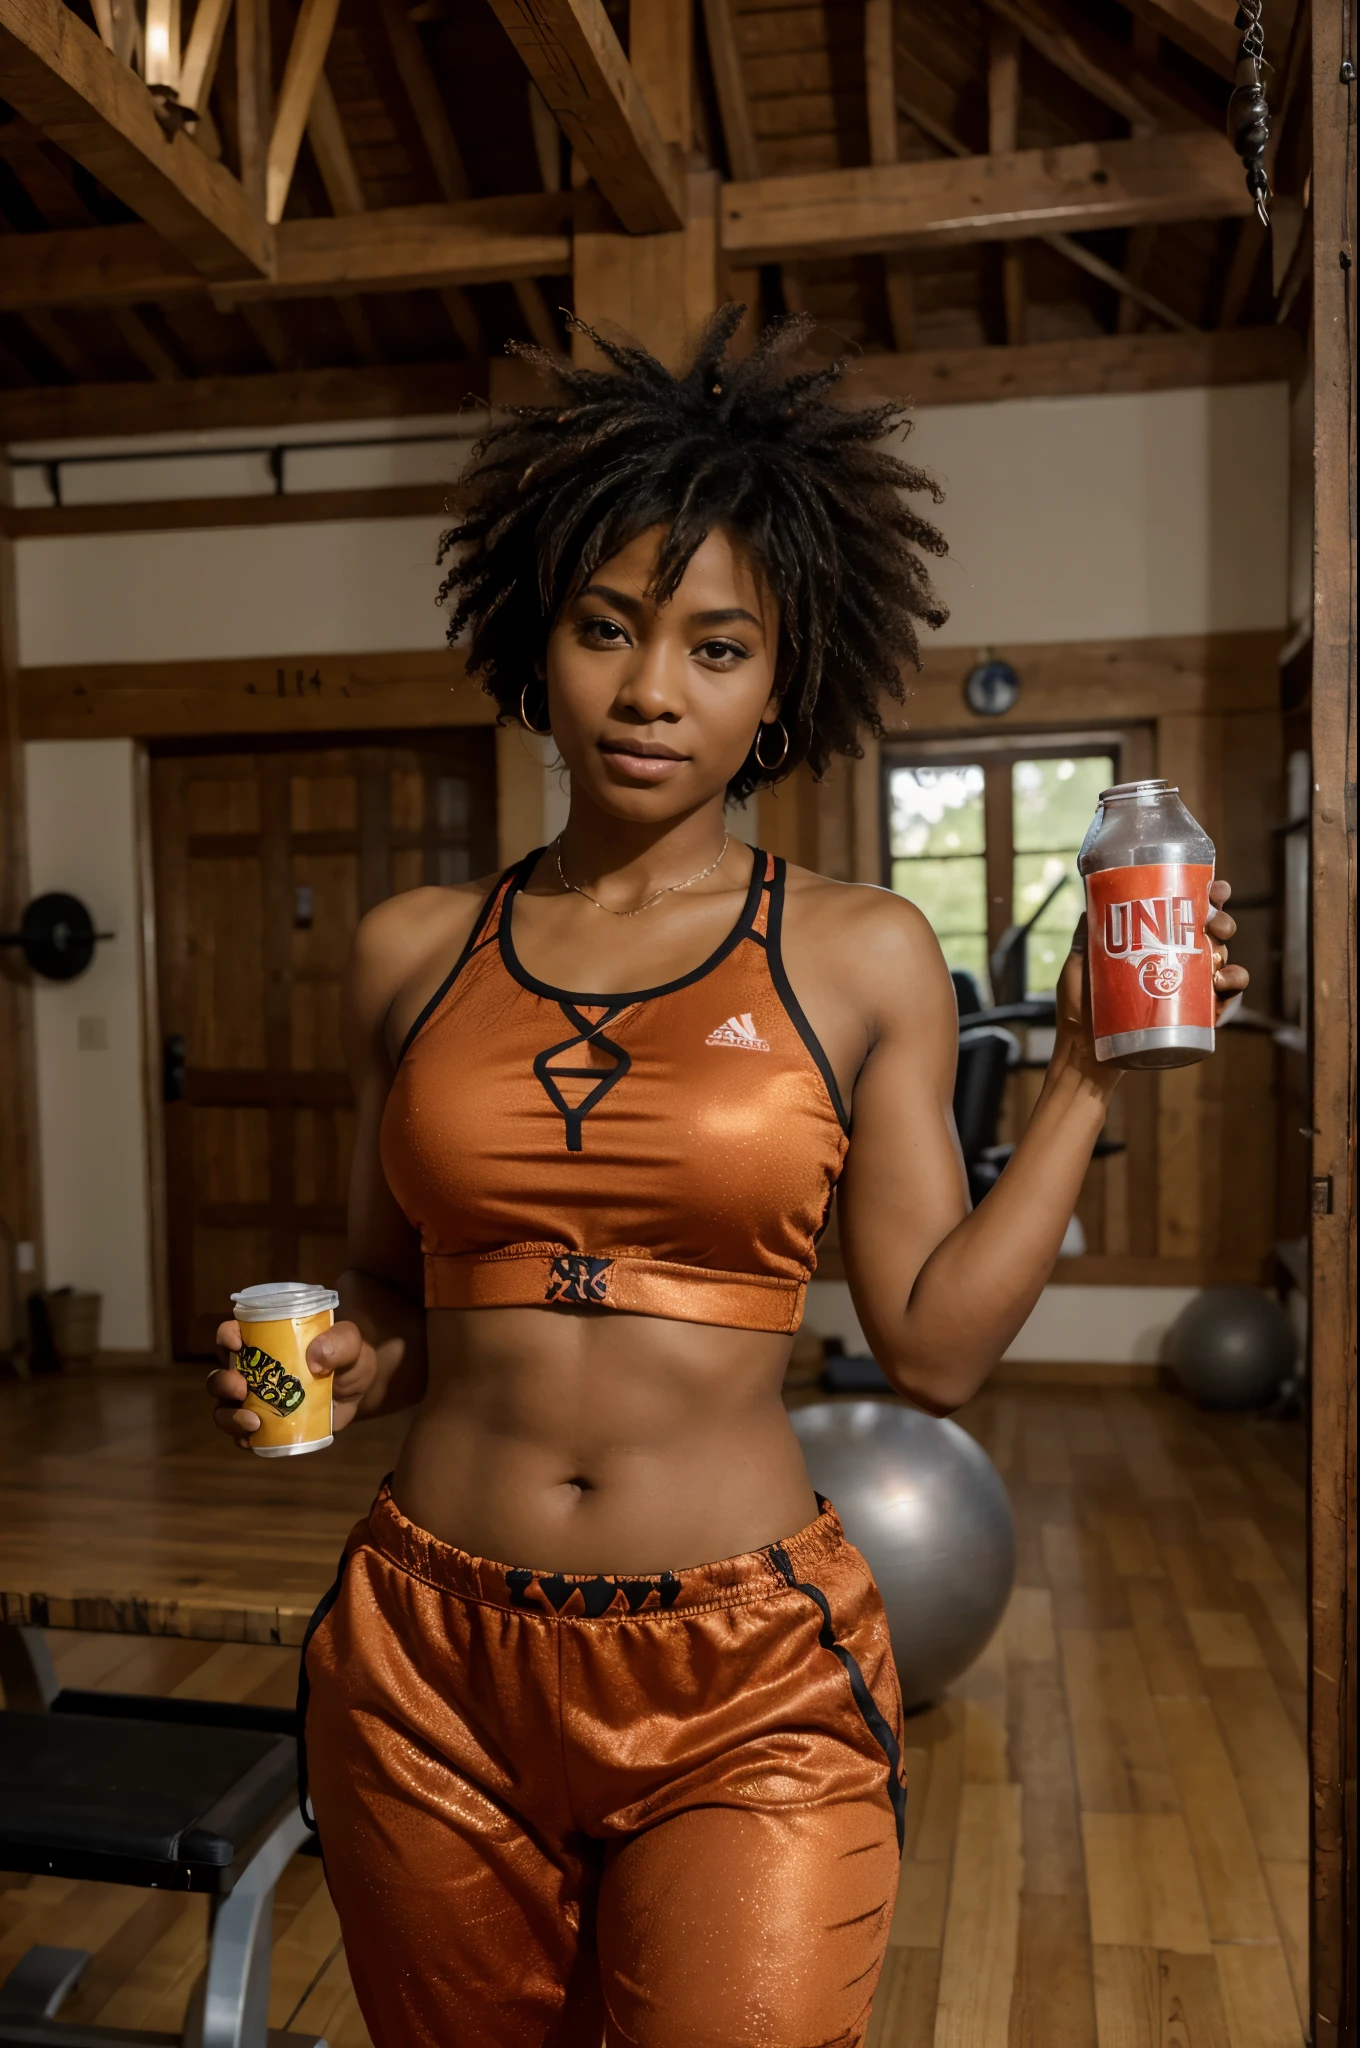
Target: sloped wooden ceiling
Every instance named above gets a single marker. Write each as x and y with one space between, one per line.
419 121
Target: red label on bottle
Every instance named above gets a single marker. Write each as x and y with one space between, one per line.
1151 962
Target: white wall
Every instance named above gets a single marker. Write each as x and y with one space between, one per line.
1114 517
91 1116
1068 519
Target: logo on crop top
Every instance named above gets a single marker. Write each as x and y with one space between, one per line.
575 1278
740 1031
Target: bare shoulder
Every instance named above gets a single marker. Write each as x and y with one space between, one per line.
402 940
870 933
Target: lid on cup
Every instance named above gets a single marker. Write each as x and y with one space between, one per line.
276 1300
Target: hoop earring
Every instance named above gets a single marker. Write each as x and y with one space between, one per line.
770 766
540 732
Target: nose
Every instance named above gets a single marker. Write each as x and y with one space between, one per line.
653 687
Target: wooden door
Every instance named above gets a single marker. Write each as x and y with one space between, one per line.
266 858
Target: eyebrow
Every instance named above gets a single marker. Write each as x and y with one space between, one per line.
633 605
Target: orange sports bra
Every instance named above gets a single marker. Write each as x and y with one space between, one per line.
671 1152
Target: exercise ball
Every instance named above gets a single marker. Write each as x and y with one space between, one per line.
927 1507
1231 1346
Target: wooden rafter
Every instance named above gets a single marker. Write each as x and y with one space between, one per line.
202 53
1082 186
1003 133
880 94
571 52
1129 287
1136 362
734 108
1202 27
306 56
1097 64
254 97
480 241
441 147
59 74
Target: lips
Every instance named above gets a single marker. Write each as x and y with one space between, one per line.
643 760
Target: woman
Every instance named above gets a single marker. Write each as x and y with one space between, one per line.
641 1779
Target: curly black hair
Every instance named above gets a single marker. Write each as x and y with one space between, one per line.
754 447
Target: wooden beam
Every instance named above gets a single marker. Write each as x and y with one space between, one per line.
412 248
441 147
1203 27
301 73
176 515
1096 63
302 693
1057 369
58 73
334 160
571 52
254 97
1082 186
1064 245
654 289
880 95
729 83
50 414
54 413
399 248
1003 136
201 56
661 52
150 351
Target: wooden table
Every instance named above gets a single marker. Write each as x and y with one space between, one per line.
123 1509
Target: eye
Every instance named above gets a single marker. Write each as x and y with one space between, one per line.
721 653
604 632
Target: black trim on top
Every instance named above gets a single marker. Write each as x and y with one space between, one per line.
774 952
548 1076
469 948
615 998
304 1689
864 1699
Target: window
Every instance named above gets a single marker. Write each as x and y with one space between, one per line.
980 835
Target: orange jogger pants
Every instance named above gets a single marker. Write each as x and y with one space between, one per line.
653 1812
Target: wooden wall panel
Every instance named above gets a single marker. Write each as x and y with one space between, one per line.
1333 1590
19 1202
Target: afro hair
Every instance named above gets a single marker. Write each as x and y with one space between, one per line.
755 447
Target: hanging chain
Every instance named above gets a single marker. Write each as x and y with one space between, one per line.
1248 111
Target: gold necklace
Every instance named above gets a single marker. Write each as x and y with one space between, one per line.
637 911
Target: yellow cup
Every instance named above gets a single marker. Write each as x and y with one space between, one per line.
278 1321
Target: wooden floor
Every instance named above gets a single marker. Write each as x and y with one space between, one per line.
1108 1824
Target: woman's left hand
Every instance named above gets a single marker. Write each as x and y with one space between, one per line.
1074 1035
1229 981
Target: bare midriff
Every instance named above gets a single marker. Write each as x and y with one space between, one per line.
584 1441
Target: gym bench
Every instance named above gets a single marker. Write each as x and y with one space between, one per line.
185 1795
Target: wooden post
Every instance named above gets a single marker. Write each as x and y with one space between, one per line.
1333 1700
654 289
20 1210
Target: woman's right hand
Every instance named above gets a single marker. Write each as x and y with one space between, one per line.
341 1352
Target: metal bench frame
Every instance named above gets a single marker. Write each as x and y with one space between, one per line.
230 2008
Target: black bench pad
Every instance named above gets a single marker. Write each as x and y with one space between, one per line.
145 1792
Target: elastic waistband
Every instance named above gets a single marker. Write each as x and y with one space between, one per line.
584 1596
532 1276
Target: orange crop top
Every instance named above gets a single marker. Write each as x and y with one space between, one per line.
671 1152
